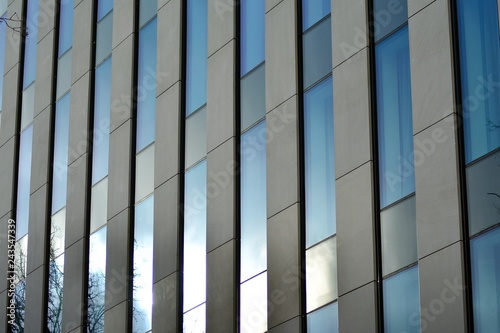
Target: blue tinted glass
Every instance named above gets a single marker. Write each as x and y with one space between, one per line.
146 89
104 38
195 235
194 320
324 320
143 265
56 281
147 10
388 15
97 281
319 162
253 202
317 52
253 97
252 34
3 36
485 261
103 7
60 166
102 106
65 26
395 129
23 182
196 62
402 302
479 43
30 43
313 11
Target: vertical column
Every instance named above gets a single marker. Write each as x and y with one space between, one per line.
356 256
438 211
284 231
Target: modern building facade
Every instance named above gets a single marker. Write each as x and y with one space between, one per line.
250 166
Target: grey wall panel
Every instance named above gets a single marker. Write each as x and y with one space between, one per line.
37 232
82 39
123 20
292 326
76 202
35 320
79 138
14 40
165 309
221 23
357 310
41 164
115 319
8 167
46 19
10 104
44 73
416 6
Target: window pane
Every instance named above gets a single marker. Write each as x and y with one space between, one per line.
317 52
253 295
63 74
324 320
65 26
56 282
104 38
402 302
143 265
196 66
102 105
319 163
60 166
23 182
485 260
389 15
194 321
145 173
195 226
252 34
321 274
196 137
28 107
480 73
103 7
30 43
21 253
146 92
395 129
99 205
313 11
97 281
57 230
253 97
483 193
146 11
399 236
253 203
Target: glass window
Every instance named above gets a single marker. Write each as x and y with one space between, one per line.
57 233
253 309
395 129
313 11
252 34
23 182
253 97
56 282
388 16
99 205
104 38
479 43
103 7
20 260
402 302
145 172
195 225
65 26
143 265
196 62
194 320
321 274
28 106
30 43
319 162
399 236
485 258
253 203
317 52
196 137
60 165
146 11
146 90
324 320
102 105
483 193
63 74
97 281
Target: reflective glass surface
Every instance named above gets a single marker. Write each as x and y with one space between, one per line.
65 26
21 253
30 43
313 11
194 321
388 15
104 38
143 265
147 10
399 235
57 230
317 51
253 97
28 106
196 137
253 308
103 7
479 43
97 281
402 302
324 320
23 182
102 105
394 115
483 193
196 62
63 74
485 262
195 231
60 164
55 301
146 89
99 205
253 203
145 173
319 162
252 42
321 274
3 37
